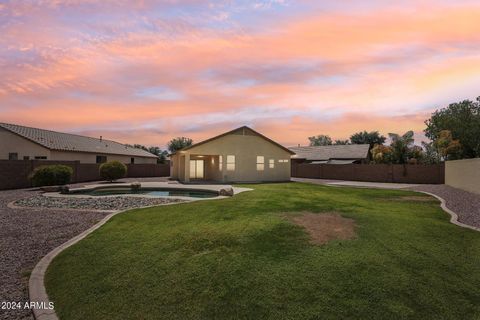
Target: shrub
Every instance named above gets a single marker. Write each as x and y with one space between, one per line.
52 175
113 170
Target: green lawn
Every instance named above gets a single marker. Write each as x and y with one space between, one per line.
240 258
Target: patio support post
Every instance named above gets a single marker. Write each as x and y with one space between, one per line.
187 167
224 167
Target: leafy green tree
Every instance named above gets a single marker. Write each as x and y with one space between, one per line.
462 119
401 146
161 154
341 142
372 138
320 140
178 143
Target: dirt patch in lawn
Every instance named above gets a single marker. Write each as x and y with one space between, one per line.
325 227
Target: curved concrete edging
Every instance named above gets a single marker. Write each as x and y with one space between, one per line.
36 284
443 203
36 288
453 215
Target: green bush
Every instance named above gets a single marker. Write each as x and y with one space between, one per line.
52 175
113 170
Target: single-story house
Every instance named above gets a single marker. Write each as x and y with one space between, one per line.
334 154
26 143
240 155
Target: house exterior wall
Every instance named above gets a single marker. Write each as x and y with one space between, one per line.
245 148
463 174
87 157
12 143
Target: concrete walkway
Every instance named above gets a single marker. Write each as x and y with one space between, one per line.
358 184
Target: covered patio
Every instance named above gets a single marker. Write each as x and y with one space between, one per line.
199 168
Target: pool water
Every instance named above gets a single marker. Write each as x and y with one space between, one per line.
151 192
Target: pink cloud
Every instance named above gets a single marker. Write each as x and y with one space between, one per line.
313 72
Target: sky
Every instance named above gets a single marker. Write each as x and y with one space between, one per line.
147 71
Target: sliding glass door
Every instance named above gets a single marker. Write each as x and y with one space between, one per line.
197 169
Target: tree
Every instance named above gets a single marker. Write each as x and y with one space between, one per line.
415 155
401 146
430 154
341 142
320 140
178 143
462 119
161 154
372 138
448 148
382 154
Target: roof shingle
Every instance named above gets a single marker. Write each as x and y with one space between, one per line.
316 153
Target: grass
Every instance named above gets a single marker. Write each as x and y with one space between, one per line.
240 258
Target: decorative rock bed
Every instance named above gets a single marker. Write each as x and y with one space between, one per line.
103 203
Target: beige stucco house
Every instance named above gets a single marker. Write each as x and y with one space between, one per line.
26 143
240 155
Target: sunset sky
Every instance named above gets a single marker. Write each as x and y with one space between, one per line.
147 71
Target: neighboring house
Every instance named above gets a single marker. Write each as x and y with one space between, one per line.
240 155
335 154
25 143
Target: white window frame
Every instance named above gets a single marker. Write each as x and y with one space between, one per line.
230 162
260 163
220 163
271 163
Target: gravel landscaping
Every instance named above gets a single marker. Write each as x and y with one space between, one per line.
98 203
465 204
28 234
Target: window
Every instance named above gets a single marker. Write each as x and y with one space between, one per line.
26 157
220 163
283 161
260 163
101 159
40 158
13 156
271 163
230 163
132 160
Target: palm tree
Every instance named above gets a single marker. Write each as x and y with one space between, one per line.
401 145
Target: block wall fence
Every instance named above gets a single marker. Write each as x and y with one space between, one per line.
394 173
14 173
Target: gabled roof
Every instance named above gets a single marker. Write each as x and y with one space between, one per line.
71 142
243 128
317 153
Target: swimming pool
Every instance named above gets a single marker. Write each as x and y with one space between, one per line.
156 192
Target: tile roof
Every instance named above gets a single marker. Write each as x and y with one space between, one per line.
316 153
71 142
